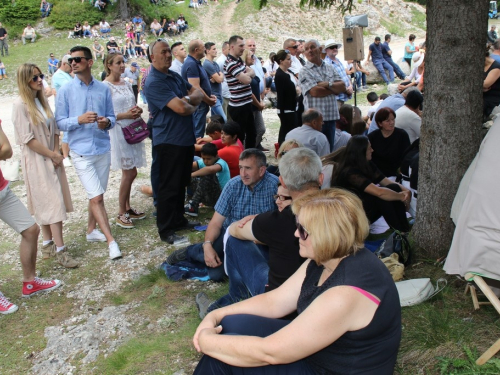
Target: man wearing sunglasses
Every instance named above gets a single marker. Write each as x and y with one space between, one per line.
85 111
172 102
255 269
332 50
292 46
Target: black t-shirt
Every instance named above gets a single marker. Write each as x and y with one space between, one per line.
111 44
276 230
388 152
3 32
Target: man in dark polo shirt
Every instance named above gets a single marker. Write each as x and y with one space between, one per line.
3 40
254 269
193 72
238 77
171 101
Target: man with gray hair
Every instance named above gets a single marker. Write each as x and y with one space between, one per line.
249 194
309 134
292 46
320 83
254 269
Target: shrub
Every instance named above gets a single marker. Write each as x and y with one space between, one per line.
66 13
15 15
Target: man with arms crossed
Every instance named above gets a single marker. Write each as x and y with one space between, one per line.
85 111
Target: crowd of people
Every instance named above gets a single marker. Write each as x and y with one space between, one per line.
290 238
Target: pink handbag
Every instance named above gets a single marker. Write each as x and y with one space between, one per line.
136 132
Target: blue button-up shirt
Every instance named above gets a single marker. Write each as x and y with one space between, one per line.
340 69
237 200
76 98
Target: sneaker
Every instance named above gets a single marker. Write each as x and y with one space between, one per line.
191 209
65 260
175 239
135 215
177 256
124 221
114 251
49 250
203 303
39 285
6 307
96 236
189 225
67 162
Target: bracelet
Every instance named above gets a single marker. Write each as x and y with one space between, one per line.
210 242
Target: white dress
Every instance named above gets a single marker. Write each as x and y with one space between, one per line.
124 155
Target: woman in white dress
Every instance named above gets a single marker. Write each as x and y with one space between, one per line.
124 156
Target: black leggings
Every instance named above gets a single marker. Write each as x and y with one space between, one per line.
288 121
394 212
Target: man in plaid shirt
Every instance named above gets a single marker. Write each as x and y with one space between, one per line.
250 193
320 84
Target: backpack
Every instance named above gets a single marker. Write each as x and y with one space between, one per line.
397 243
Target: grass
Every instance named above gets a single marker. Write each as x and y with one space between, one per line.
393 27
419 19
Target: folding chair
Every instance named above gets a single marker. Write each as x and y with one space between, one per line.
478 280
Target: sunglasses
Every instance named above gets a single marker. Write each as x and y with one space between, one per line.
294 47
281 197
287 52
333 47
77 59
151 46
303 233
35 78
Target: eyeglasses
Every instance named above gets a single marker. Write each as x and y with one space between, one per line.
77 59
281 197
36 77
303 233
294 47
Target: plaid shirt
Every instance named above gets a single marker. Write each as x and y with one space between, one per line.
237 200
309 77
340 68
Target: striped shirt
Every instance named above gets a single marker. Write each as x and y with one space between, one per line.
241 94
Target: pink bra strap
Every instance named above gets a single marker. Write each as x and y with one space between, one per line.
365 293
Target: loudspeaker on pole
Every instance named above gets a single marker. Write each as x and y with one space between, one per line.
353 43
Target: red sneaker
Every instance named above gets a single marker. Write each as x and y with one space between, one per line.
39 285
6 307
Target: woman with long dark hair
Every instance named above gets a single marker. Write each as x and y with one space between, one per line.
380 196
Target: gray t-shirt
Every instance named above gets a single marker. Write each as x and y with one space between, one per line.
132 76
211 67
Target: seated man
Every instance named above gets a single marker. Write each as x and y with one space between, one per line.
409 116
210 175
98 51
156 28
249 194
309 134
254 269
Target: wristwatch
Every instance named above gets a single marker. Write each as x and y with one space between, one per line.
109 123
330 84
188 99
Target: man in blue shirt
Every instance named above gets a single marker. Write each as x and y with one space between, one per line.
52 61
85 111
216 78
249 194
332 50
387 53
193 72
171 101
375 51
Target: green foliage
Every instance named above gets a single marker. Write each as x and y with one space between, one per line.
66 13
467 365
15 15
394 28
421 2
419 19
165 9
344 6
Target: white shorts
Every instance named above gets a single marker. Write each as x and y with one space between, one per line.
13 212
93 171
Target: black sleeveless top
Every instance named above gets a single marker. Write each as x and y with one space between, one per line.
373 349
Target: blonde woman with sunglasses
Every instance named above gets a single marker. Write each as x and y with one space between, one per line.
45 178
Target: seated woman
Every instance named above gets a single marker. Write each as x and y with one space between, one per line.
417 74
78 30
357 173
86 30
389 143
491 86
349 318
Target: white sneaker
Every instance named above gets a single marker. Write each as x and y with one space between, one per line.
67 162
114 251
96 236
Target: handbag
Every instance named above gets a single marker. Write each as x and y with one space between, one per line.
397 243
415 291
136 132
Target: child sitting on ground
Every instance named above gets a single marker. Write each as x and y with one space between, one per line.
210 175
3 74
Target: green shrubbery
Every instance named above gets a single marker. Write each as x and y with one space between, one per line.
15 15
66 13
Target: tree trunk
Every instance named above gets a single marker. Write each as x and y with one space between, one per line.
451 124
124 10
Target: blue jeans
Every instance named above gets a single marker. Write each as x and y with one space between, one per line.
251 325
156 32
247 269
52 69
381 65
195 253
328 130
200 119
396 68
138 37
87 33
360 77
218 110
